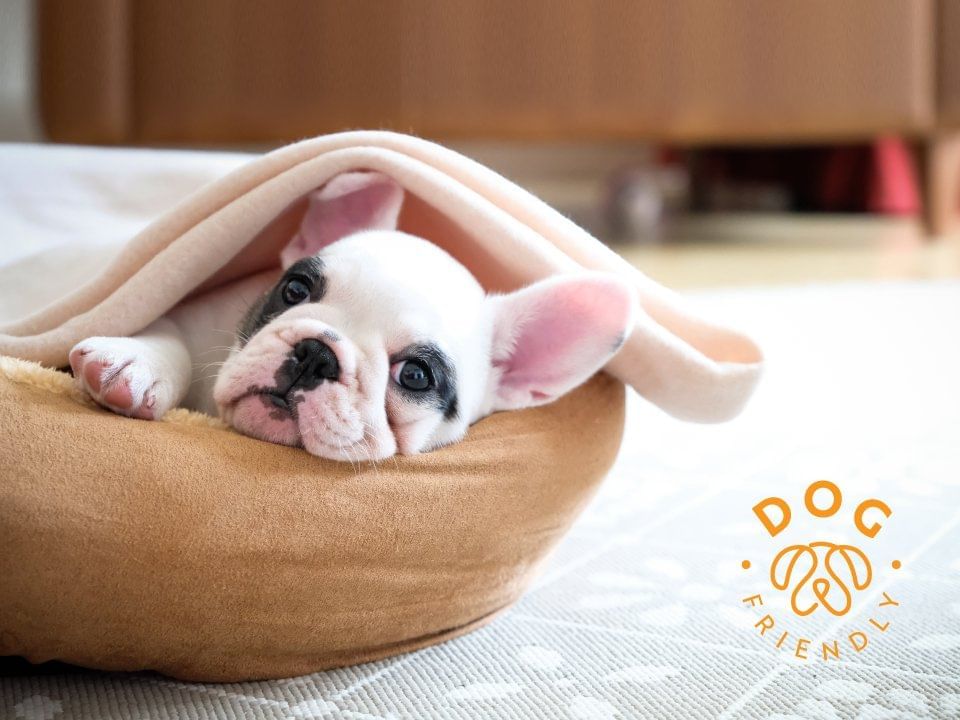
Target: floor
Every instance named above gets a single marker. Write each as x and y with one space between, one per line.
725 251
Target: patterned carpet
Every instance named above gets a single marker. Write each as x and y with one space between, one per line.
640 614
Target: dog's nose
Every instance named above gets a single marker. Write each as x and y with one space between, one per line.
315 362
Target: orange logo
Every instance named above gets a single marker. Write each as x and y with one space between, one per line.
822 576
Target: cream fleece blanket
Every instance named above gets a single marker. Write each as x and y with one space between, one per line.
692 368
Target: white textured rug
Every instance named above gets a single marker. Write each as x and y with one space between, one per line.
639 612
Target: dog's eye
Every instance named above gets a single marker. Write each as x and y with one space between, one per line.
295 291
412 375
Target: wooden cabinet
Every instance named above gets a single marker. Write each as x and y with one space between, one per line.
224 71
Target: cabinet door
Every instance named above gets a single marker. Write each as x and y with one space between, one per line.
687 70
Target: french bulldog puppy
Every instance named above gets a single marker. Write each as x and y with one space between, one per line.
371 342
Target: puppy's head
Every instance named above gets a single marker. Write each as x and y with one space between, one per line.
375 342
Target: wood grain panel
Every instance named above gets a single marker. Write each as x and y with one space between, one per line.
687 70
84 70
221 71
948 63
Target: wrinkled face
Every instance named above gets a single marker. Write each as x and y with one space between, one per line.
375 342
361 351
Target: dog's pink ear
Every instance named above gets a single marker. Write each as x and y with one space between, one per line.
348 203
553 335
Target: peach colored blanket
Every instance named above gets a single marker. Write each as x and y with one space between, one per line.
234 226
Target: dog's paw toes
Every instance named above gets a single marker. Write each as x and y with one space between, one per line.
148 407
110 371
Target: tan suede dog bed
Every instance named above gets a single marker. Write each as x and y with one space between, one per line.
219 557
182 547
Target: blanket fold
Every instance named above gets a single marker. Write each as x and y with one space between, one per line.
693 369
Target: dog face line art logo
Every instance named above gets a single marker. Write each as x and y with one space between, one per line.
783 565
821 577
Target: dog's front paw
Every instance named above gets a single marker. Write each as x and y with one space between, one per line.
120 374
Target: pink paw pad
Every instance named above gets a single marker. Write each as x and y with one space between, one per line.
94 373
118 393
111 383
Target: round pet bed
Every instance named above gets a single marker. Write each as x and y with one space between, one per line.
183 547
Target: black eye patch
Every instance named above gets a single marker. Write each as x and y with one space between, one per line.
443 394
307 273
